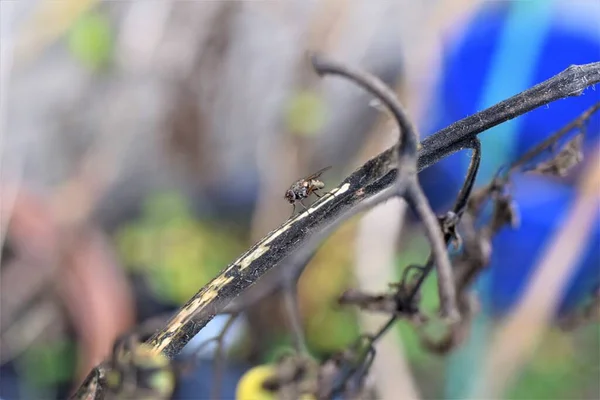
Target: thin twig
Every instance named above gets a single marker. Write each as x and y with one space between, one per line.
458 209
384 328
290 297
375 259
446 288
465 192
407 148
219 359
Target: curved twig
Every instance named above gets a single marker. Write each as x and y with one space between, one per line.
458 209
407 181
290 298
407 148
446 286
465 191
219 359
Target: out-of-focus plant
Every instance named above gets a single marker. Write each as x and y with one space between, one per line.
49 364
91 40
329 327
254 384
413 253
172 249
558 364
47 23
306 113
250 387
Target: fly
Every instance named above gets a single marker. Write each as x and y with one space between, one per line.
303 188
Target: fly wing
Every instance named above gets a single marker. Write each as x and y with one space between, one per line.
316 174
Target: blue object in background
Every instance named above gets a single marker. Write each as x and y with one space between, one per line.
9 383
504 49
200 383
514 256
472 77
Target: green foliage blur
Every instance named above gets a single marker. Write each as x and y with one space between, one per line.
177 253
306 113
90 40
329 327
563 364
47 364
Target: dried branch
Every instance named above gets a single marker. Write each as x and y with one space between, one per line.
368 185
570 82
273 281
446 288
290 298
450 220
407 184
406 298
477 248
361 190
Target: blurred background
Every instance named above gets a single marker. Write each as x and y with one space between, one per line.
145 145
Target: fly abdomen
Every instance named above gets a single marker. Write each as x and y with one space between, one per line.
317 184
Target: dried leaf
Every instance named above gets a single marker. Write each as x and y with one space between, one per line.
505 213
295 377
477 250
569 156
448 223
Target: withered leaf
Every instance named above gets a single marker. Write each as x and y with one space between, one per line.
448 223
505 212
569 156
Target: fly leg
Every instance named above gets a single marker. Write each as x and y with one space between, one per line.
304 206
293 209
